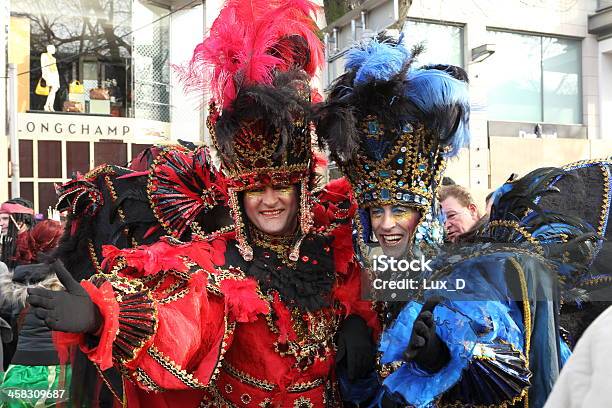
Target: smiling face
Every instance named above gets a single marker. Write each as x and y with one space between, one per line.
273 210
393 226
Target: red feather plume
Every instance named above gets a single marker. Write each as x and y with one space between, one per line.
248 42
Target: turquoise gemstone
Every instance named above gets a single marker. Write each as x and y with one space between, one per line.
422 167
400 161
383 173
373 127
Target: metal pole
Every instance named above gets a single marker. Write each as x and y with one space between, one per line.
4 28
14 141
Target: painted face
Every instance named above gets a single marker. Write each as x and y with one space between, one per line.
273 210
459 219
4 223
393 226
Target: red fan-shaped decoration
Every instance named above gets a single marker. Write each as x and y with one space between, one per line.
182 186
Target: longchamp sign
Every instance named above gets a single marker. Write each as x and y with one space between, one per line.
30 125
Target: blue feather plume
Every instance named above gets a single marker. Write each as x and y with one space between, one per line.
377 60
434 92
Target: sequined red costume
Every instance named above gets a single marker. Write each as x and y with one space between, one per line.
187 329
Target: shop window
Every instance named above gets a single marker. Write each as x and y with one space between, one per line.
534 79
49 159
26 190
443 42
106 57
26 166
110 153
77 155
46 197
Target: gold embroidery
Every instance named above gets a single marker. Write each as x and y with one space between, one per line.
142 377
175 369
178 295
303 402
521 230
247 379
306 386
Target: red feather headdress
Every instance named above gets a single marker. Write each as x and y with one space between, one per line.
257 62
248 42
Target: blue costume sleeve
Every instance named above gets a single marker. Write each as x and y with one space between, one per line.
485 338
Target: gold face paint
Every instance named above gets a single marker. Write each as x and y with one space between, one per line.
284 190
402 213
281 190
251 194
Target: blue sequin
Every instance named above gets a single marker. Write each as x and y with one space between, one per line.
373 127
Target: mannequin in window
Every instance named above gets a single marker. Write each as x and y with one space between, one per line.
51 76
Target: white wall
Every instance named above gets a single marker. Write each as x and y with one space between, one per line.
605 88
186 115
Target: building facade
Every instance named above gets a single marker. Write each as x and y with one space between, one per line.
539 75
116 91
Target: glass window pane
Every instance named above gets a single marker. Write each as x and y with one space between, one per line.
110 153
91 44
49 159
26 168
515 77
443 43
78 157
561 72
26 190
46 197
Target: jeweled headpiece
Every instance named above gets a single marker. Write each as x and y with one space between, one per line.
258 61
390 128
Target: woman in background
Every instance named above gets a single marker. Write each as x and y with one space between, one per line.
35 364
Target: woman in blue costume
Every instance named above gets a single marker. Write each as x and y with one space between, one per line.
493 342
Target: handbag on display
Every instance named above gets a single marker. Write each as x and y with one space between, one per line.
76 87
99 93
41 88
72 106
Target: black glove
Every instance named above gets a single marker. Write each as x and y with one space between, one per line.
356 351
31 273
425 347
69 311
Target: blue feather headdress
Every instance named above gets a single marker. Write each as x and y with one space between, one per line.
390 127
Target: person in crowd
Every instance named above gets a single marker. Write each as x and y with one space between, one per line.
35 364
461 212
390 127
16 216
585 380
247 318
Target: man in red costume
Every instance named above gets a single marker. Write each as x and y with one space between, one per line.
247 318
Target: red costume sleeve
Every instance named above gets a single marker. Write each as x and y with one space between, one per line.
168 330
